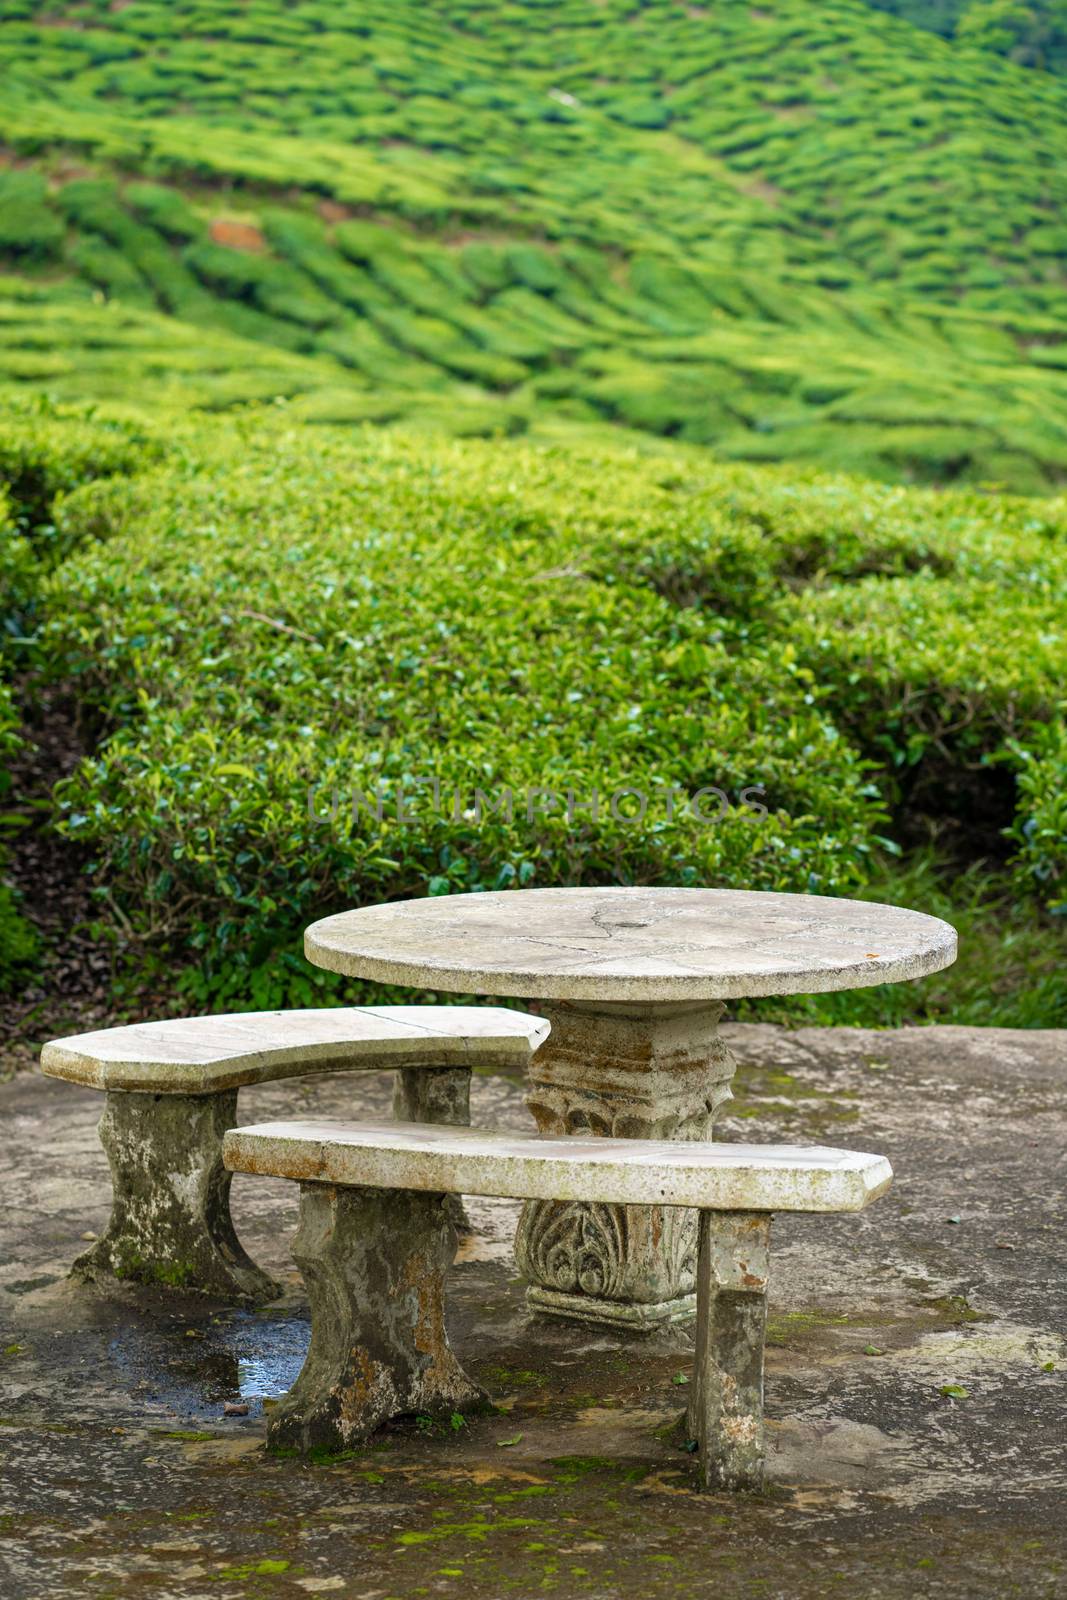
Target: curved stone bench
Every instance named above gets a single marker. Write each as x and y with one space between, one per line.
376 1239
172 1093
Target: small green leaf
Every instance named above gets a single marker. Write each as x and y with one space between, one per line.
680 1377
954 1391
503 1444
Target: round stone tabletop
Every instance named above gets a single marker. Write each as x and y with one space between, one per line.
623 944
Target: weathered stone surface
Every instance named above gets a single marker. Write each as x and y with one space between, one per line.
631 1071
373 1264
202 1055
725 1415
170 1217
171 1221
432 1094
632 944
634 980
118 1461
362 1258
442 1095
486 1161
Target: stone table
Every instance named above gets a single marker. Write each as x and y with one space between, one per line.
634 982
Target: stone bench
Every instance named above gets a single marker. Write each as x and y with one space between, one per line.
375 1241
172 1092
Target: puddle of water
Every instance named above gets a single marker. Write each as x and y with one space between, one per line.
265 1380
269 1353
252 1357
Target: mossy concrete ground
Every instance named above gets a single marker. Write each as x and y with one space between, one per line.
916 1374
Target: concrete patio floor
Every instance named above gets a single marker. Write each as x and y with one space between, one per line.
122 1476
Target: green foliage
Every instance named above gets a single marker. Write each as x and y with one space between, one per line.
907 648
112 273
45 452
996 25
651 345
141 362
235 686
276 288
806 235
940 16
163 209
312 636
9 737
18 940
1034 33
1031 32
1009 973
807 138
29 230
635 236
1041 826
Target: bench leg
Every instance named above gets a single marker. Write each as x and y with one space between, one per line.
170 1218
726 1405
432 1094
374 1263
436 1094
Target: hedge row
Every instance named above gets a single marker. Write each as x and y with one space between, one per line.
45 453
305 623
829 140
308 621
675 348
18 943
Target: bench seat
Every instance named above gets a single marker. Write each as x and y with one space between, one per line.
526 1166
204 1055
376 1238
172 1090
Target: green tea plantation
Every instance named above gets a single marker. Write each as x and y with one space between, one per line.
796 234
439 441
315 662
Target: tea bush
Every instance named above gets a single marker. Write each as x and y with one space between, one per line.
665 221
362 659
758 128
666 247
29 229
287 620
18 942
44 453
1041 828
